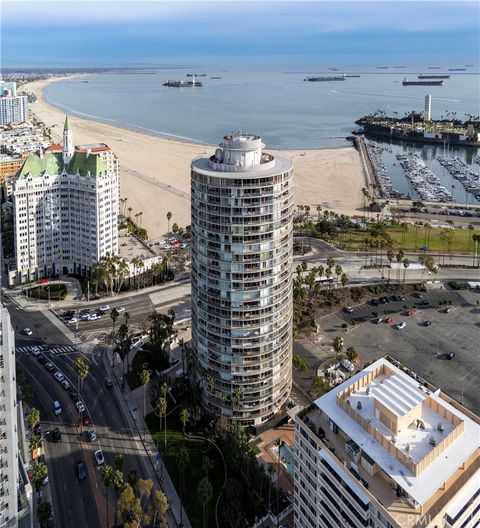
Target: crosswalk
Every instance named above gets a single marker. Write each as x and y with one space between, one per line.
54 351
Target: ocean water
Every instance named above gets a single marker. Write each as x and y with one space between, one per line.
286 111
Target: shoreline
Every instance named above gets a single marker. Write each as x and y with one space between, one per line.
155 169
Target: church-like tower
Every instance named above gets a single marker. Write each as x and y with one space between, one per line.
68 146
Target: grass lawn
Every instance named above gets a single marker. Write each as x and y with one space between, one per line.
197 449
57 292
461 241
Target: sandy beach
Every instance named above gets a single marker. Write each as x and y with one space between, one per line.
155 171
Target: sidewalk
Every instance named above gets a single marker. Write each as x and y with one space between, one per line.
153 467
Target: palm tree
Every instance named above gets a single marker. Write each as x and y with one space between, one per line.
161 410
144 377
129 212
114 314
184 417
205 492
44 512
406 264
182 461
40 473
169 217
476 239
117 484
107 478
33 417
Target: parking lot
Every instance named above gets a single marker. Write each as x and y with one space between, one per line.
421 348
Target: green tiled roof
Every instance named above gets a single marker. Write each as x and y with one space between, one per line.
93 164
52 163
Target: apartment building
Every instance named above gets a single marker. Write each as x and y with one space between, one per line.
242 229
386 451
65 210
15 488
13 109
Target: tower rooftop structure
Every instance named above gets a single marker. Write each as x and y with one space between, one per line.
242 231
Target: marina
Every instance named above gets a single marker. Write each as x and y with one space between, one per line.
426 184
381 172
459 170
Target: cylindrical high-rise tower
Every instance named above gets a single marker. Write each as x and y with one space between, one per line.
242 229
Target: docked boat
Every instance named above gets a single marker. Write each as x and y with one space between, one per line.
433 76
406 82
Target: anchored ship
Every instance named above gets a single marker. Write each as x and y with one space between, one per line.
330 78
182 84
421 76
406 82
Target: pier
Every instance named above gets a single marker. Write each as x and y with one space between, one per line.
459 170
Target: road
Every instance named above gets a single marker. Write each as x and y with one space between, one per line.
76 504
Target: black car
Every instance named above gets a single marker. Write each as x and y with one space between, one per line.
418 295
393 298
74 396
384 300
81 471
427 323
424 303
375 302
56 435
42 359
37 430
108 383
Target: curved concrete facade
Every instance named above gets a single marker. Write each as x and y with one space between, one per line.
242 229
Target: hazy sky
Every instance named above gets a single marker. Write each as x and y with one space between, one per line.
88 33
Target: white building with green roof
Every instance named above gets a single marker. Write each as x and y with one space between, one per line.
65 209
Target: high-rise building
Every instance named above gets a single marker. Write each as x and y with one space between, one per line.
15 499
13 109
427 109
387 450
242 232
65 210
9 86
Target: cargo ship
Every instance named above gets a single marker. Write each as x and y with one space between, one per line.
406 82
182 84
456 69
349 76
196 74
382 67
330 78
434 68
422 76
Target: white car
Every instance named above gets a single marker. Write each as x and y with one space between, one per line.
94 317
105 308
65 384
85 317
80 406
73 320
59 376
401 325
99 457
348 309
28 332
35 351
121 309
348 365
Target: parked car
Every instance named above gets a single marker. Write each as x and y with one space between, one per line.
375 302
389 320
451 355
73 320
121 309
49 366
424 303
42 359
94 317
99 457
427 323
108 383
401 325
59 376
91 435
27 332
448 310
86 420
348 309
80 406
418 295
81 471
409 313
73 395
85 317
379 320
104 308
65 384
348 365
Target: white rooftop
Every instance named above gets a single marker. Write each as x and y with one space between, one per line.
422 487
